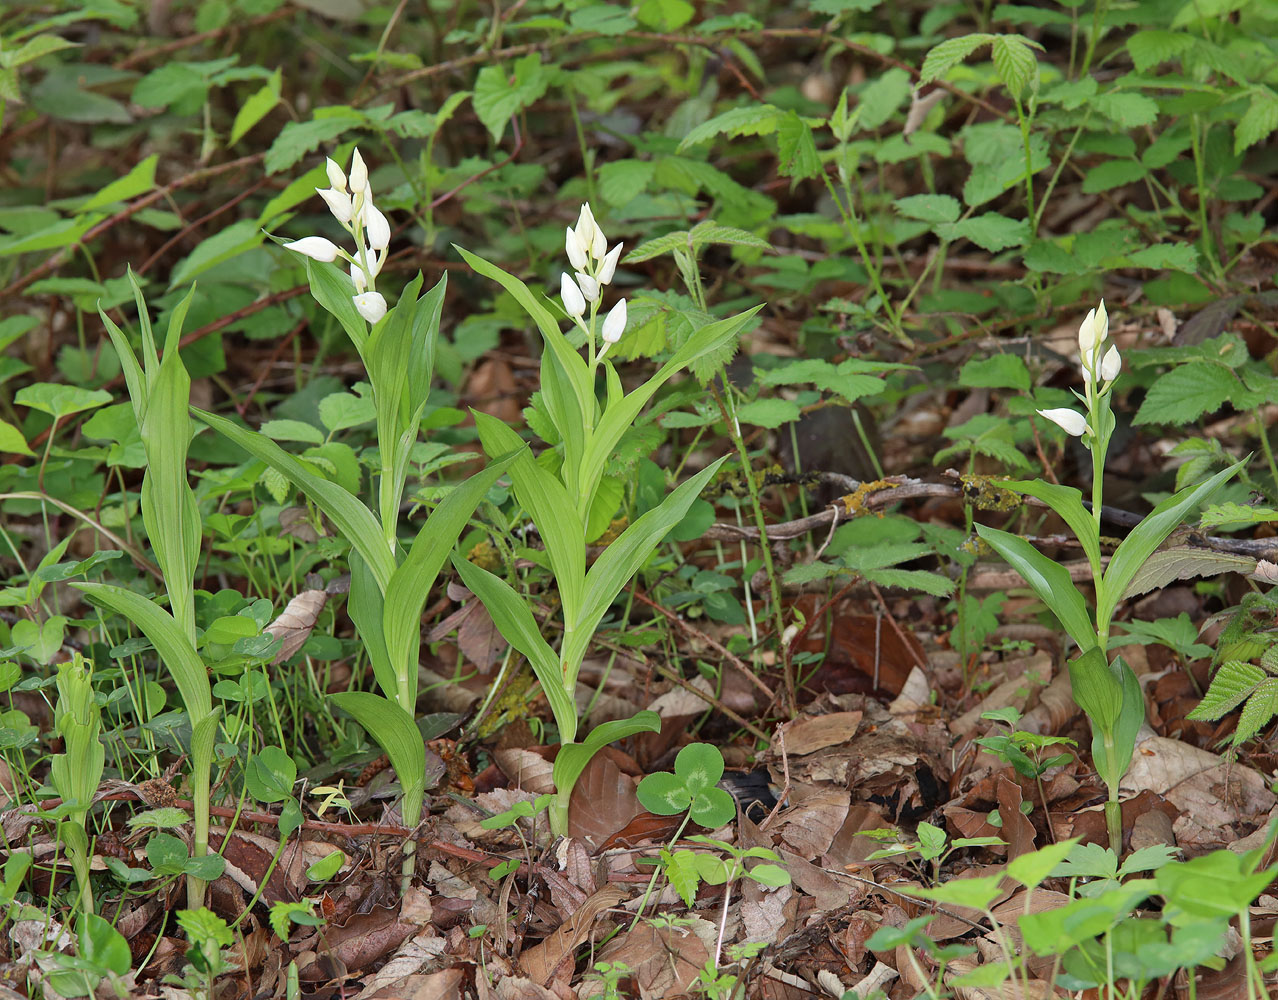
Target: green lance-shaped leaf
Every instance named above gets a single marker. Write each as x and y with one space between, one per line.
411 582
353 519
366 604
515 622
620 415
1143 539
1096 690
332 288
552 510
621 560
1068 503
573 758
1048 579
397 734
573 367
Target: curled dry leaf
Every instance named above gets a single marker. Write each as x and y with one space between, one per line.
807 735
294 624
544 961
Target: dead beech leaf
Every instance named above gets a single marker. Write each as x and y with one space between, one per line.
877 979
543 961
807 735
526 769
294 624
664 961
392 979
1017 830
809 828
603 801
1016 691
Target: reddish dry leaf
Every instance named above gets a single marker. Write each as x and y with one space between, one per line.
1017 830
491 390
807 735
809 827
603 801
663 960
546 960
863 653
526 769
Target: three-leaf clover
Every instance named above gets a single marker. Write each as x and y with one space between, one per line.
692 788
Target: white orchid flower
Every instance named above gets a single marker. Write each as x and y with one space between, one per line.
315 247
615 323
376 228
609 266
335 175
359 174
574 302
1070 421
338 202
589 286
370 305
575 249
1111 364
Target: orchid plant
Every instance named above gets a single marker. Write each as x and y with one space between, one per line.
560 489
1105 689
390 578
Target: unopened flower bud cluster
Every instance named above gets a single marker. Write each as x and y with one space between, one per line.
1099 365
593 267
350 200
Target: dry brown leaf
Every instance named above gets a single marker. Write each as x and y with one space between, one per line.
491 389
294 624
809 828
406 965
765 918
1017 830
603 801
543 962
443 985
1035 989
663 960
1015 691
526 769
807 735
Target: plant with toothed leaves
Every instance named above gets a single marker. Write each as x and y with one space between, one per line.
560 490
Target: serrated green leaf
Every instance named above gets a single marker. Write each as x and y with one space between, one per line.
949 54
752 119
1233 684
1187 392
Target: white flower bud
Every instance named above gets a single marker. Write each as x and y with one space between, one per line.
1092 332
586 227
609 266
371 305
338 202
615 323
376 228
574 304
315 247
575 249
359 173
335 175
1111 364
1070 421
357 276
589 286
598 245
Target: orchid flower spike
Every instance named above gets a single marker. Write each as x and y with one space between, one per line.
1070 421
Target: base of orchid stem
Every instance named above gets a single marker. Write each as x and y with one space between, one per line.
1114 824
559 814
409 867
200 842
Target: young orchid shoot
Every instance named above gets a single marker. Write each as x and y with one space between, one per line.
350 201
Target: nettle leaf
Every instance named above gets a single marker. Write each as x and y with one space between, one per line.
769 413
753 119
930 208
1187 392
1149 48
1015 63
498 98
297 139
880 98
1002 371
1127 110
621 181
1233 684
949 54
1259 120
989 231
796 148
1260 708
